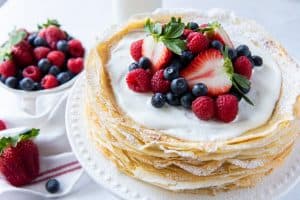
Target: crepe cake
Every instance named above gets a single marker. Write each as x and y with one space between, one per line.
198 101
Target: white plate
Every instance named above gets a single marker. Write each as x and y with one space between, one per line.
106 174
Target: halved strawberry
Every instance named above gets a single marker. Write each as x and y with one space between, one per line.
215 31
211 69
157 52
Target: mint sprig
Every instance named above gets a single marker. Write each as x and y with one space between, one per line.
13 141
15 37
169 34
49 22
238 81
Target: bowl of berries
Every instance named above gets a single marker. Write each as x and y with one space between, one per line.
40 62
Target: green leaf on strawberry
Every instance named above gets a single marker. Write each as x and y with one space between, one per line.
49 22
15 37
13 141
169 34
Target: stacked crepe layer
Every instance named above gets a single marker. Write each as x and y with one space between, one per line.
180 165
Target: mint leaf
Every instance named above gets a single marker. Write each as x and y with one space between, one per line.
49 22
157 29
241 81
174 30
175 45
236 86
15 37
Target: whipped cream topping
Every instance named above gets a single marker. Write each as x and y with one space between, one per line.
182 123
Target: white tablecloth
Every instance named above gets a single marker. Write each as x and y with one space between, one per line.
86 19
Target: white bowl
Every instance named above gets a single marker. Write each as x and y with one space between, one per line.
28 98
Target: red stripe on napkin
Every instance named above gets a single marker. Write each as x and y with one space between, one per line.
58 168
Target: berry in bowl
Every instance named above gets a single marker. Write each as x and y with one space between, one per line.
40 60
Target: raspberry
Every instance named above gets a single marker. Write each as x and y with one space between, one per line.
204 107
49 81
32 72
75 65
186 32
22 54
41 52
136 49
159 84
197 42
75 48
2 125
226 107
243 66
139 80
56 58
52 34
8 68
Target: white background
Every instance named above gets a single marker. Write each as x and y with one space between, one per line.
86 19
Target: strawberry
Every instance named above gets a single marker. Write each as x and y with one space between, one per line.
215 31
243 66
139 80
41 52
157 52
2 125
197 42
158 83
22 54
204 107
52 33
226 107
136 49
19 159
210 68
8 68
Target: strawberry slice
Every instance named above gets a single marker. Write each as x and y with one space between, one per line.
215 31
211 69
157 52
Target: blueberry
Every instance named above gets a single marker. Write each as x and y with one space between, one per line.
172 99
31 38
38 42
176 63
243 50
186 100
251 60
62 45
232 53
145 63
69 37
171 73
11 82
216 44
27 84
158 100
193 25
44 65
179 86
37 86
133 66
200 89
63 77
2 78
258 61
19 75
52 186
236 93
186 57
54 70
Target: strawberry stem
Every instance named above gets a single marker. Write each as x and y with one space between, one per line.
13 141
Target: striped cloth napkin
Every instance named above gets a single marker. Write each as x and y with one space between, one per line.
56 158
